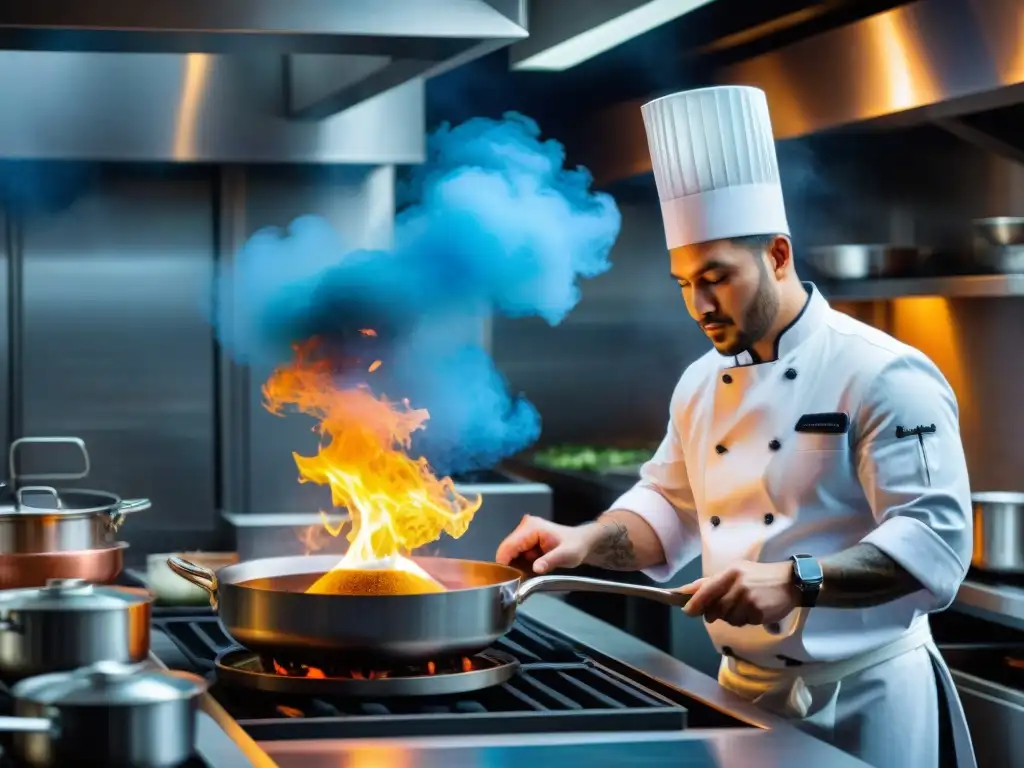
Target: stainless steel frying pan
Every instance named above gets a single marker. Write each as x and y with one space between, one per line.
263 605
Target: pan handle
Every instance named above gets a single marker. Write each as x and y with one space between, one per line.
582 584
201 577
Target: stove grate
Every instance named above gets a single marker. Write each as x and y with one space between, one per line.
557 689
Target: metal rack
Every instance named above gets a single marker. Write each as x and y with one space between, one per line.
953 287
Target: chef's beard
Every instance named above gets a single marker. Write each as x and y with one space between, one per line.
757 318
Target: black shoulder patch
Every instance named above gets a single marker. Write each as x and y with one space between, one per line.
920 429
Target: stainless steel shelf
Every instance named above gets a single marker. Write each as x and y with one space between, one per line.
998 603
960 286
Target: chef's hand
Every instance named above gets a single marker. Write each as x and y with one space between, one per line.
545 544
745 593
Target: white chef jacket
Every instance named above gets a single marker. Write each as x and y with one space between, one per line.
734 479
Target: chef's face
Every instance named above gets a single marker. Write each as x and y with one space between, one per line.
731 288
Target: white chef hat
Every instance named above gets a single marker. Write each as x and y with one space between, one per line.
714 163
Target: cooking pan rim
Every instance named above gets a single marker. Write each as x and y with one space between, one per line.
224 577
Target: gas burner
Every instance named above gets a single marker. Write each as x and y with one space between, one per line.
246 669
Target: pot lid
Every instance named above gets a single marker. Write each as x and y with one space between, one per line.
72 595
110 683
45 500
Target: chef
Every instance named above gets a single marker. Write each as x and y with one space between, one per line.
814 462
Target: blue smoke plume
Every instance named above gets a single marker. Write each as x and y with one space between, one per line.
491 223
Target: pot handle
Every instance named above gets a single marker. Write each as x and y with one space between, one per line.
134 505
19 496
201 577
27 725
125 507
582 584
12 464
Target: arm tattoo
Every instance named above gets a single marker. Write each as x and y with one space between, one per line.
613 549
863 576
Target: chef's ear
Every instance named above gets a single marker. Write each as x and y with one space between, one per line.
780 256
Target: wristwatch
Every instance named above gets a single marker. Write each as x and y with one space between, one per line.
807 577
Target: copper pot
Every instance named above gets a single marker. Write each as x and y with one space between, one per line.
98 566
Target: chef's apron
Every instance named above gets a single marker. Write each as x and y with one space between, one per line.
787 692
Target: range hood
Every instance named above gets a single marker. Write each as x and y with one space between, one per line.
928 61
324 81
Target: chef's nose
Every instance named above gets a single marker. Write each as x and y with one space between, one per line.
703 302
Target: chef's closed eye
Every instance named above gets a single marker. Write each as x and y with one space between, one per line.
711 277
714 277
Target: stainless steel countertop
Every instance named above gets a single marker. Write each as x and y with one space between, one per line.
706 749
772 743
998 603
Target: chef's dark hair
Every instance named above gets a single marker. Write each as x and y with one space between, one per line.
754 243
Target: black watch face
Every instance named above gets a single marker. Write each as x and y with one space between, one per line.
807 570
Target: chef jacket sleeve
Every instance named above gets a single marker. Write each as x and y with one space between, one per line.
917 487
663 498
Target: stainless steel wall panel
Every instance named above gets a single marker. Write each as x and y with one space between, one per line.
7 243
233 379
117 350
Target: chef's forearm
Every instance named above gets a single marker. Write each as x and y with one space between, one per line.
623 541
863 576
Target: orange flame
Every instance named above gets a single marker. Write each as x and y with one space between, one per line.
311 539
395 502
464 664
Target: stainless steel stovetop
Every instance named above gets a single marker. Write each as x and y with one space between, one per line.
558 689
584 692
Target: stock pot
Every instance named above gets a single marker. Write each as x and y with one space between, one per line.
40 518
107 715
69 624
998 532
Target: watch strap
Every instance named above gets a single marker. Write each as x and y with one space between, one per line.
809 587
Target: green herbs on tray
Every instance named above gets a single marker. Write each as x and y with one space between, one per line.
590 458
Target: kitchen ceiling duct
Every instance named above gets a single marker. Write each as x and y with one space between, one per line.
932 60
198 108
564 33
420 29
233 80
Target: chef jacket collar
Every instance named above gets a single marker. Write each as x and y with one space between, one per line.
802 327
